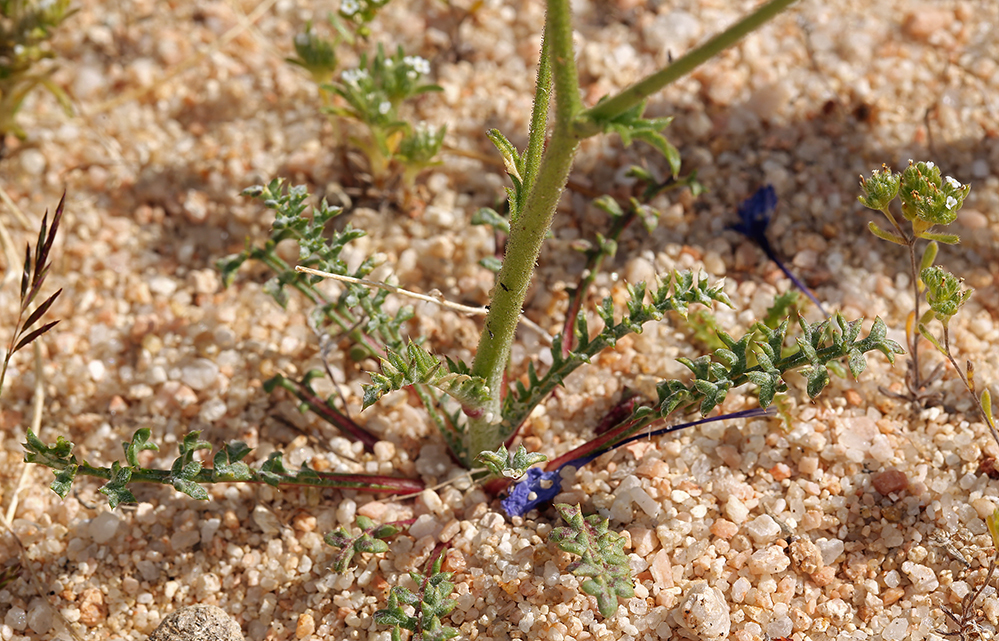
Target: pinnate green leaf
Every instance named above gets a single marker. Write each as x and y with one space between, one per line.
603 561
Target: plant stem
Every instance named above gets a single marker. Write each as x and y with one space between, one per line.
914 346
643 89
968 384
370 483
539 116
330 414
527 233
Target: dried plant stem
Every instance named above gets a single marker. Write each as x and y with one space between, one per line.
969 385
36 425
436 298
14 209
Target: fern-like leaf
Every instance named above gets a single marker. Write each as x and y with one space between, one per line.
418 366
602 562
369 540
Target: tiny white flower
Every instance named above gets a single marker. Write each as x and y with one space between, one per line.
930 165
352 76
302 39
953 183
384 107
420 65
951 202
412 75
349 7
18 50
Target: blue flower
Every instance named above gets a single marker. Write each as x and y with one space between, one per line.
536 488
539 487
754 218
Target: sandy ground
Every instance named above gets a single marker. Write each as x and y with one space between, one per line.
182 105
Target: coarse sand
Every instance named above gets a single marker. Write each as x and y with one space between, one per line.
858 518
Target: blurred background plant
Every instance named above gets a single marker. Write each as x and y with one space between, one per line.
371 94
26 26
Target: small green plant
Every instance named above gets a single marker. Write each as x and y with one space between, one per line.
602 562
372 94
470 404
360 13
25 28
429 604
370 540
315 54
926 202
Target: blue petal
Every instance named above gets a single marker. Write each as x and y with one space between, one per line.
755 211
529 493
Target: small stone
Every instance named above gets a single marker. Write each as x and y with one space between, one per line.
104 527
97 370
266 520
831 549
703 614
93 610
924 22
200 373
162 285
889 481
197 623
763 529
736 510
425 525
805 556
897 630
306 626
213 410
662 571
769 560
724 529
40 618
33 162
973 219
924 580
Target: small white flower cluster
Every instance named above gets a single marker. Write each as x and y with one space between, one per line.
350 7
418 64
353 76
384 107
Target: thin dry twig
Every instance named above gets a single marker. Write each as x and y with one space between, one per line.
434 297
